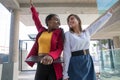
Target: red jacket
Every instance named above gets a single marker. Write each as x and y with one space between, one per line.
56 44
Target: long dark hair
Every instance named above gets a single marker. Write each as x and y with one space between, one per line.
78 19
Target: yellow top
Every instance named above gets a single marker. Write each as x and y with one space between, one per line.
44 43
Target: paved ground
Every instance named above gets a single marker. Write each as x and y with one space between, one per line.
29 75
26 75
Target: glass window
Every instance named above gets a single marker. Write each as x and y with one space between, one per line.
4 33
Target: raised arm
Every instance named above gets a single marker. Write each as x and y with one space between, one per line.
94 27
35 17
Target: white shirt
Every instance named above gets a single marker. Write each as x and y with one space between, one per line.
75 42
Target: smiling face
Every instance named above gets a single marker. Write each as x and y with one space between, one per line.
53 22
74 22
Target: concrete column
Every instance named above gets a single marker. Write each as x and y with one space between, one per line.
10 69
116 41
0 71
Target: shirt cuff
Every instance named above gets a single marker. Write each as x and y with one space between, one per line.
65 76
110 14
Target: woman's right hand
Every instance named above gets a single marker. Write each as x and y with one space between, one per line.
111 10
47 60
31 3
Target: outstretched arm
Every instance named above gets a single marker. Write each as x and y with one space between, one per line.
35 17
95 26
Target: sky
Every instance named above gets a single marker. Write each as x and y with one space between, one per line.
105 4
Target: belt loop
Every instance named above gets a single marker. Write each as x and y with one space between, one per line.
84 52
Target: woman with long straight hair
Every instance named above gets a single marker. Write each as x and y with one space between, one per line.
78 63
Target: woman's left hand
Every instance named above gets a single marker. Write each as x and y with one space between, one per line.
47 60
111 10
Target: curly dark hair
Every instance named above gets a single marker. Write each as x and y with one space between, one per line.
49 18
